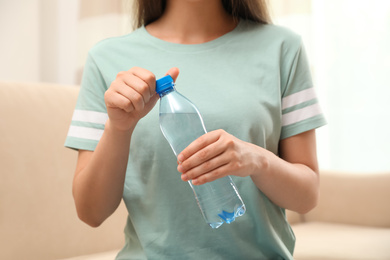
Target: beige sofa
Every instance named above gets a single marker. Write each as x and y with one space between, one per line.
351 221
38 219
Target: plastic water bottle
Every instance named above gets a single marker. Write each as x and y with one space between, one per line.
181 123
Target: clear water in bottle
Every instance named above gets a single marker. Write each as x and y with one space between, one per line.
181 123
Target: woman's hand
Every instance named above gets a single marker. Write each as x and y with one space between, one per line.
131 96
216 155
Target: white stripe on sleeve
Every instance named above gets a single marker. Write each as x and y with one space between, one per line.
301 114
85 132
298 98
89 116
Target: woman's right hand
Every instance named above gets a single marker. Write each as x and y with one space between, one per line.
100 175
131 96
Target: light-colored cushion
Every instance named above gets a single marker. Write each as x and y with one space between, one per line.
353 198
38 219
110 255
325 241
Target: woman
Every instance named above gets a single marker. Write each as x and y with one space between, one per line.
251 82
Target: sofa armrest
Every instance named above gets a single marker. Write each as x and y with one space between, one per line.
38 219
353 198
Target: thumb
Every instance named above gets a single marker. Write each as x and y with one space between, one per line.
173 72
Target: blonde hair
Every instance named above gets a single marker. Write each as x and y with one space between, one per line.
147 11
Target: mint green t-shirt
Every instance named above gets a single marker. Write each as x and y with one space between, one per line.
254 82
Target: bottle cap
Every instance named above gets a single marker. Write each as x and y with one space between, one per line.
163 84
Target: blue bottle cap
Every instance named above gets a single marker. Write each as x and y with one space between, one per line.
164 84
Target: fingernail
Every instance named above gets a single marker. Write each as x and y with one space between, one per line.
184 177
180 158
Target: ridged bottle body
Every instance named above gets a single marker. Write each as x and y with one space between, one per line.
181 123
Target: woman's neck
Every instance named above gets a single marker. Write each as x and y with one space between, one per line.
192 22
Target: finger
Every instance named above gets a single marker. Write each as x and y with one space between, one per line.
212 175
115 100
146 76
137 84
173 72
206 167
203 156
197 145
153 100
130 93
136 99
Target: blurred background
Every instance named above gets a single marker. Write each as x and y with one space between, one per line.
347 42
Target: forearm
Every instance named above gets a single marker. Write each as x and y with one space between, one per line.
100 175
98 185
294 186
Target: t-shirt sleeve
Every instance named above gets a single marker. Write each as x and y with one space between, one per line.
301 111
90 114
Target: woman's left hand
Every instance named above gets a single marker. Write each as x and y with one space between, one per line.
218 154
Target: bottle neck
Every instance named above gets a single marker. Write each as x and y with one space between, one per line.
166 92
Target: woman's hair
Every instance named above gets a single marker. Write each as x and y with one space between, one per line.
147 11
